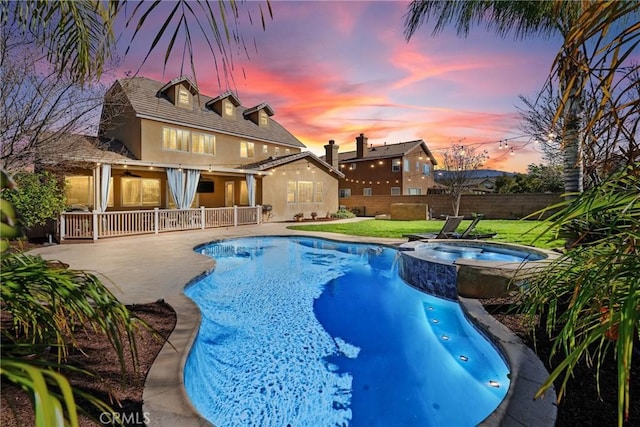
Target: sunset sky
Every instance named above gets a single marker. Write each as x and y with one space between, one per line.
335 69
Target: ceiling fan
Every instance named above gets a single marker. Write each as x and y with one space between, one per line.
128 174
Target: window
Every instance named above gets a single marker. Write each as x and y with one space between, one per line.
344 193
183 97
319 194
79 190
175 139
352 167
414 191
367 192
395 191
406 165
426 169
264 118
291 192
229 111
203 144
395 165
305 192
265 149
247 149
276 151
140 192
417 166
287 151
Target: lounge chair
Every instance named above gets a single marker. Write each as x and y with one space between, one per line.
446 232
469 232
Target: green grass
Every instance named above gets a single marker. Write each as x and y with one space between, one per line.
510 231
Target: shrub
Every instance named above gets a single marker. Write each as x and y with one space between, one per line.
37 197
343 214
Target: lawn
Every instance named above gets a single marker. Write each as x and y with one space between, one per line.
511 231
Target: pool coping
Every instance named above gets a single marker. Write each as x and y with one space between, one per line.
166 401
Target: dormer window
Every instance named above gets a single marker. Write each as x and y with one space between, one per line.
229 109
264 118
184 98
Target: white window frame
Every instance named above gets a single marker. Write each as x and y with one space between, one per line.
263 118
318 195
208 143
367 192
247 150
344 193
396 191
406 166
291 192
229 109
396 164
305 192
175 139
184 97
265 149
140 202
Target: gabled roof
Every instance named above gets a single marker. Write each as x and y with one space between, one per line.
141 93
273 162
84 148
228 94
264 106
389 150
191 85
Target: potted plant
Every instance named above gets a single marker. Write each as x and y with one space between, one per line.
314 215
299 216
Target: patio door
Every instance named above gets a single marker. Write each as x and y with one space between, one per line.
229 191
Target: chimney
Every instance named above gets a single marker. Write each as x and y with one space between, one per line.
331 154
361 146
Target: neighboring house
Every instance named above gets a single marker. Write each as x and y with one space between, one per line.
405 168
170 146
480 181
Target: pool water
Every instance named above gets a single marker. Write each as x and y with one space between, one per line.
310 332
482 252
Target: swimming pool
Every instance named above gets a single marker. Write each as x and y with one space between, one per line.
305 331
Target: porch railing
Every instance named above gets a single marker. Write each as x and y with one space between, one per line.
95 225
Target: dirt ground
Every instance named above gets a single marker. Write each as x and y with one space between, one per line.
580 407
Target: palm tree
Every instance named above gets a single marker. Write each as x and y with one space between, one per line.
612 27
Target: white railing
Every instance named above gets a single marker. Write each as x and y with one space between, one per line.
95 225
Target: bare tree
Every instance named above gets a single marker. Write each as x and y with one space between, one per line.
39 106
460 164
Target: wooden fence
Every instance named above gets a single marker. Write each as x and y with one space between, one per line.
95 225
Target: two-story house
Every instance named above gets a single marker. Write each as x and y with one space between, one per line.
405 168
166 145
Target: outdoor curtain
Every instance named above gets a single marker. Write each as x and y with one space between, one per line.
105 177
183 186
251 189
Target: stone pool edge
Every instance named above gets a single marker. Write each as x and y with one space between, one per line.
527 371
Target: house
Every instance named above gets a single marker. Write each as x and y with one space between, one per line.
166 146
477 181
405 168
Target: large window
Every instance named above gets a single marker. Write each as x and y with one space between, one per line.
291 192
175 139
414 191
305 192
406 165
203 143
247 149
79 190
140 192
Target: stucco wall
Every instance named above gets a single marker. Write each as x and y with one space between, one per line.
274 190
